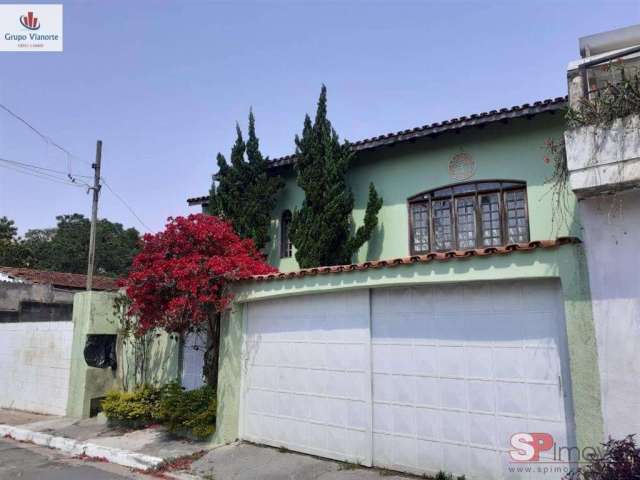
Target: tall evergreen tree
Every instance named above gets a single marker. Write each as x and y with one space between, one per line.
322 230
246 194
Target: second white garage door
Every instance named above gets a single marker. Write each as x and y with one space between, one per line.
307 375
417 379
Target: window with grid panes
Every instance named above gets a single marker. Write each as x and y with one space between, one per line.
420 221
469 215
490 218
466 222
517 221
442 224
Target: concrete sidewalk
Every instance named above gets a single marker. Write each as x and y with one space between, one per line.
144 449
151 447
246 461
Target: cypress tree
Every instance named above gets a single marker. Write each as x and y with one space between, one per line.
246 194
321 230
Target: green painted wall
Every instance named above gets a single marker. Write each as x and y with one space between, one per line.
513 151
229 374
565 263
93 314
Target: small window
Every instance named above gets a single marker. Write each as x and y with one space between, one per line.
469 215
442 225
420 222
517 223
490 217
286 248
466 215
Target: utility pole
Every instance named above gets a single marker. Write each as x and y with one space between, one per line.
94 214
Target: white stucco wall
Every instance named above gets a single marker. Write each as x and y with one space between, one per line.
612 242
35 360
604 158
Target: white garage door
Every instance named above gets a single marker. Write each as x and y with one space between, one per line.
417 379
307 378
459 369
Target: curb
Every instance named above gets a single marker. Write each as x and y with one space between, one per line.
75 448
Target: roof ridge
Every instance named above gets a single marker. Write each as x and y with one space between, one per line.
550 105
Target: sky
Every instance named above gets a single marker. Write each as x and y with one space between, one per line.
162 84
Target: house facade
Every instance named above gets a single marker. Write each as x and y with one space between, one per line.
464 320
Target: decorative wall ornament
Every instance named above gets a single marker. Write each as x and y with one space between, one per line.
462 166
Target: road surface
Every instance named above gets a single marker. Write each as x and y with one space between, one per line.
21 461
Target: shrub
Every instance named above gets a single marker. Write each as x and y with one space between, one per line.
614 100
619 459
191 412
135 409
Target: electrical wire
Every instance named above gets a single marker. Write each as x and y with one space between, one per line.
44 137
44 172
123 201
37 167
41 172
43 176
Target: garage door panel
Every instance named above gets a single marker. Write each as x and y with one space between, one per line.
453 393
511 398
482 430
509 363
544 401
480 372
450 360
482 396
312 354
479 361
454 426
484 463
428 423
455 458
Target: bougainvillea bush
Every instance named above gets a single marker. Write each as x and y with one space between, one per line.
182 274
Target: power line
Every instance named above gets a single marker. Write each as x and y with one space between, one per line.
44 172
44 137
122 200
37 167
43 176
41 173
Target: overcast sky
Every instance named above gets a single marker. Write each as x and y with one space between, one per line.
163 83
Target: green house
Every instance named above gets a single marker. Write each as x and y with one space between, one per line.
464 322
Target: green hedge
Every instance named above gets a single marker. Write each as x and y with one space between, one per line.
189 413
135 409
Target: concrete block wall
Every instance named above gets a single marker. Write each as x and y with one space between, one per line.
35 363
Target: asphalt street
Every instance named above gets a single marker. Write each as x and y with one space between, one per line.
30 462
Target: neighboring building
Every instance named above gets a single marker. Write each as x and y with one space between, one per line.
36 334
464 320
28 295
604 166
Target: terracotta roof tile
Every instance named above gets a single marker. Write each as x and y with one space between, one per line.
550 105
73 281
437 256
